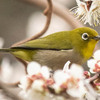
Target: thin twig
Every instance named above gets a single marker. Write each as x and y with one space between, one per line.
48 13
90 89
91 79
25 63
59 10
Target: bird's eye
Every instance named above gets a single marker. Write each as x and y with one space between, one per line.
85 36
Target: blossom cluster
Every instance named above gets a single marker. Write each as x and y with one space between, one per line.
40 83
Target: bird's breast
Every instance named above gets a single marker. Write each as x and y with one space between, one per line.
56 59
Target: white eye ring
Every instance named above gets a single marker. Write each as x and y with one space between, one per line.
85 36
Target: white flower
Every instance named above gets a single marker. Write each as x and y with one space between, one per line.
76 71
32 89
77 91
25 83
97 55
35 68
35 83
73 70
36 77
45 72
38 85
60 77
94 64
75 86
70 79
88 11
91 64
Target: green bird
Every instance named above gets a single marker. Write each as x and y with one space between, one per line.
55 50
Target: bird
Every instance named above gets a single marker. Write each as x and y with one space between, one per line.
56 49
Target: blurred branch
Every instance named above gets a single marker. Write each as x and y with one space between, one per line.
59 10
24 63
48 13
91 79
8 93
90 89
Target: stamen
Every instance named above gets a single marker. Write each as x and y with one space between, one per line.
88 3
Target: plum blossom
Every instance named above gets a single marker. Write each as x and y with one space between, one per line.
88 11
35 83
94 64
39 83
35 68
36 74
70 80
61 79
76 86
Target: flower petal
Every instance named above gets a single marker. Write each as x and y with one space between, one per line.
33 68
60 77
97 55
45 72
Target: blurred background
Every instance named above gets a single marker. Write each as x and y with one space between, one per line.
19 20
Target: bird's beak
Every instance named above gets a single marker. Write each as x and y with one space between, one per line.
96 38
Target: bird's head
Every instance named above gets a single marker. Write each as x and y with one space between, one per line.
84 40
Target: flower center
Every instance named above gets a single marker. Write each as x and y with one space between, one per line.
88 3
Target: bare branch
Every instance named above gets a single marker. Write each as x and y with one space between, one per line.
58 9
90 89
48 13
91 79
8 93
24 63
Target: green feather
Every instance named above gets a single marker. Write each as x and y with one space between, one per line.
57 41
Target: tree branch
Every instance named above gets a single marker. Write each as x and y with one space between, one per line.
48 13
59 10
8 93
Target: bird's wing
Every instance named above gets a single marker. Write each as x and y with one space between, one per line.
57 41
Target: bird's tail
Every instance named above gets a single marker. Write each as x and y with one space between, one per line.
5 50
